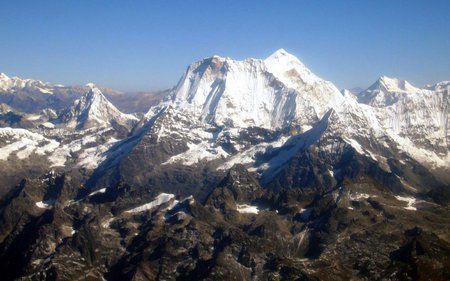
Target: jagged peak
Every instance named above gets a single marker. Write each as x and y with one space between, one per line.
392 85
252 92
387 91
8 83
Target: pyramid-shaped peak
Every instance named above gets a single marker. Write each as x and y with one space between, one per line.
282 54
94 109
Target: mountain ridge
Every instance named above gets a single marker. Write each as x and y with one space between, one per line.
246 170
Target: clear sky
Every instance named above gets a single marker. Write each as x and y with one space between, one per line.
147 45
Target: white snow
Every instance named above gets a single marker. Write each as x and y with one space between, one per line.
92 157
33 117
248 156
305 213
101 190
94 110
410 200
281 91
197 153
48 125
415 119
287 68
358 196
301 236
45 204
247 209
12 83
267 93
218 96
88 158
106 223
24 142
355 145
159 200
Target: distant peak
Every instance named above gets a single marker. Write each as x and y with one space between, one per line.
393 84
388 79
90 85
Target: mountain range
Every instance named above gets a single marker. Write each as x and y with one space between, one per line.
245 170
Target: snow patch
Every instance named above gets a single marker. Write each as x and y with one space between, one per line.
24 143
100 191
410 200
48 125
159 200
305 213
106 223
33 117
358 196
197 153
247 209
45 204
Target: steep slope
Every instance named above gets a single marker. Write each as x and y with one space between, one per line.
221 108
270 94
241 231
261 113
94 110
416 119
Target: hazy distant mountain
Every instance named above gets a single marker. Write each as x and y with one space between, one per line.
138 102
30 96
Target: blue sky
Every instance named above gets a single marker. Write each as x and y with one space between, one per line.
147 45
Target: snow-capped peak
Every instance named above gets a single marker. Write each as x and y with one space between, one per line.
289 69
268 93
93 109
5 82
393 85
387 91
8 84
281 53
91 85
